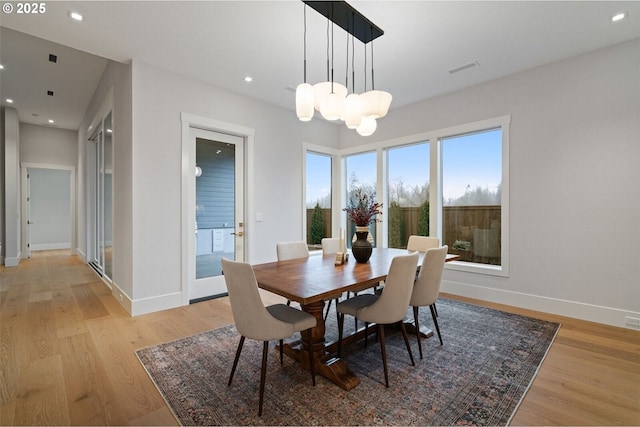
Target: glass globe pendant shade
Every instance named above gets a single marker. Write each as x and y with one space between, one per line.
375 103
304 102
352 111
322 90
332 106
367 126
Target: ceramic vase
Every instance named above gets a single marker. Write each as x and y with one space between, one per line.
361 247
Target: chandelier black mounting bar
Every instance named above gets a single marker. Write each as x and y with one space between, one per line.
345 16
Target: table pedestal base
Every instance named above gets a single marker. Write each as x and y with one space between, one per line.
332 368
411 329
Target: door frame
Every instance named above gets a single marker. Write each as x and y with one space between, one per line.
188 197
24 167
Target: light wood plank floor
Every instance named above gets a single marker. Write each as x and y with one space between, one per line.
67 355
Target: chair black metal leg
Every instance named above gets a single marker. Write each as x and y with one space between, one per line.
263 374
281 352
326 313
355 319
416 323
340 325
435 308
235 361
312 362
383 350
406 341
434 315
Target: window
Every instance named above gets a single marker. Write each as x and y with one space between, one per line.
472 196
318 197
407 190
449 183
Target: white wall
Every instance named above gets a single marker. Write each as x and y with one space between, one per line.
48 145
574 178
159 97
2 204
12 183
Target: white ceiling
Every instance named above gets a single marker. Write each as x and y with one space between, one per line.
220 42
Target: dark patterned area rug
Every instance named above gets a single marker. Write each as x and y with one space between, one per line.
478 377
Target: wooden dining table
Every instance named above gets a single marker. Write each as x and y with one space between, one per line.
312 281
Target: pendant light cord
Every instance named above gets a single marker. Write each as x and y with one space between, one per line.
332 25
365 68
305 43
373 85
327 50
346 71
353 54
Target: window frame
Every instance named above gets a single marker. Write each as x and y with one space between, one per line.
335 184
436 200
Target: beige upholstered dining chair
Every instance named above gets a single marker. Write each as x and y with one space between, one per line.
422 243
427 287
292 250
255 321
387 308
330 245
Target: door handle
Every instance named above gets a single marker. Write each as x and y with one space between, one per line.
239 234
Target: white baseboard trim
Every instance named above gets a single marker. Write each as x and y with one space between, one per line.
153 304
573 309
121 297
81 254
50 246
11 261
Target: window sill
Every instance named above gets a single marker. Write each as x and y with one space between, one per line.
473 267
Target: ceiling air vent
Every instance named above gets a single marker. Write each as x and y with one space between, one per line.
53 58
50 92
464 67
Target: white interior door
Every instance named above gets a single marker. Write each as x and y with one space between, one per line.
218 188
48 209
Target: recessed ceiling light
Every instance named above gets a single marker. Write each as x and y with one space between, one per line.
75 16
51 121
9 101
1 67
248 79
618 17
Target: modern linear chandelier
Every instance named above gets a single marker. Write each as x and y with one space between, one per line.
330 98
